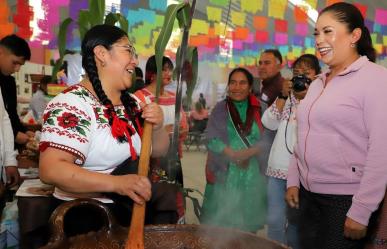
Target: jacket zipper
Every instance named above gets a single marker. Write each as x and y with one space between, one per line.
306 138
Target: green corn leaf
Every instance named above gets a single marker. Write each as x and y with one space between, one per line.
61 45
193 55
97 11
124 25
183 16
162 40
111 19
83 22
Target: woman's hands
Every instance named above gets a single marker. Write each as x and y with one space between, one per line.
153 114
353 229
138 188
241 157
292 198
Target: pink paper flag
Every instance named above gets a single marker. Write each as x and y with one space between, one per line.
381 16
237 44
302 29
280 38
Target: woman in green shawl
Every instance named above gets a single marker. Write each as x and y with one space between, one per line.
235 193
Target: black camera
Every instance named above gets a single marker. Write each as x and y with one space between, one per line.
300 82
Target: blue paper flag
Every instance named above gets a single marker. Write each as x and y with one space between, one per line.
158 4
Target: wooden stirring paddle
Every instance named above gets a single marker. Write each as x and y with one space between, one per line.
136 230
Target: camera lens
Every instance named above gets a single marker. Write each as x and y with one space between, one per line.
300 82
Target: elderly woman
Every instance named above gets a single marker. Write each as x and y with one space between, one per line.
235 193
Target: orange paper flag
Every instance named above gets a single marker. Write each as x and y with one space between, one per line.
260 22
300 14
241 33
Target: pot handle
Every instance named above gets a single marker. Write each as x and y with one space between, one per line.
57 218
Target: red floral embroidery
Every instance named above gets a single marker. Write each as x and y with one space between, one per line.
46 116
70 88
68 120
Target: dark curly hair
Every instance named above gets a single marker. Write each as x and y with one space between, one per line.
106 35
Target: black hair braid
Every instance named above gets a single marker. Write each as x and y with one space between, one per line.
130 105
97 86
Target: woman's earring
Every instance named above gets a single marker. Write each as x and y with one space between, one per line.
103 64
352 45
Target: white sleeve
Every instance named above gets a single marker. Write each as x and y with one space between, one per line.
9 151
68 122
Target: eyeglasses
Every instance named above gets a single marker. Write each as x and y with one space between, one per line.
130 48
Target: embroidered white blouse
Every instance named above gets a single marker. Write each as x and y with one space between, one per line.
75 121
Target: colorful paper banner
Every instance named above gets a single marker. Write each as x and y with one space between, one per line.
160 5
214 14
280 38
300 14
277 8
260 22
199 27
302 29
222 3
381 16
238 18
281 25
241 33
251 6
262 36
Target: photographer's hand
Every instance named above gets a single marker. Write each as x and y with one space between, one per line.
301 95
285 92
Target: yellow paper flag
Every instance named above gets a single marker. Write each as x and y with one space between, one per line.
214 14
238 18
219 28
199 27
277 8
379 48
385 40
310 51
251 6
312 3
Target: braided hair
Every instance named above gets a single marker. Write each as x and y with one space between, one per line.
107 35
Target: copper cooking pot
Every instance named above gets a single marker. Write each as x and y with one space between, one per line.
113 235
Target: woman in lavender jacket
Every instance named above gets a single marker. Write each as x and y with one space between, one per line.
337 176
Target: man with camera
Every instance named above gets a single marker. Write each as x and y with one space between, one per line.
280 117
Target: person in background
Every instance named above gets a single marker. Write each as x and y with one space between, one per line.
61 75
74 70
159 165
337 174
14 51
199 118
202 100
8 154
91 131
269 67
139 81
39 99
235 194
280 117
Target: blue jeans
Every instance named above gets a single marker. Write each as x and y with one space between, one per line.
280 228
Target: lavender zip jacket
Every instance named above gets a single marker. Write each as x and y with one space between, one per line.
342 138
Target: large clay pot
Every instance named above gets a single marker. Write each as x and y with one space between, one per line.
156 237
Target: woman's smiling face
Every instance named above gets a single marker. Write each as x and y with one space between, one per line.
333 40
238 86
